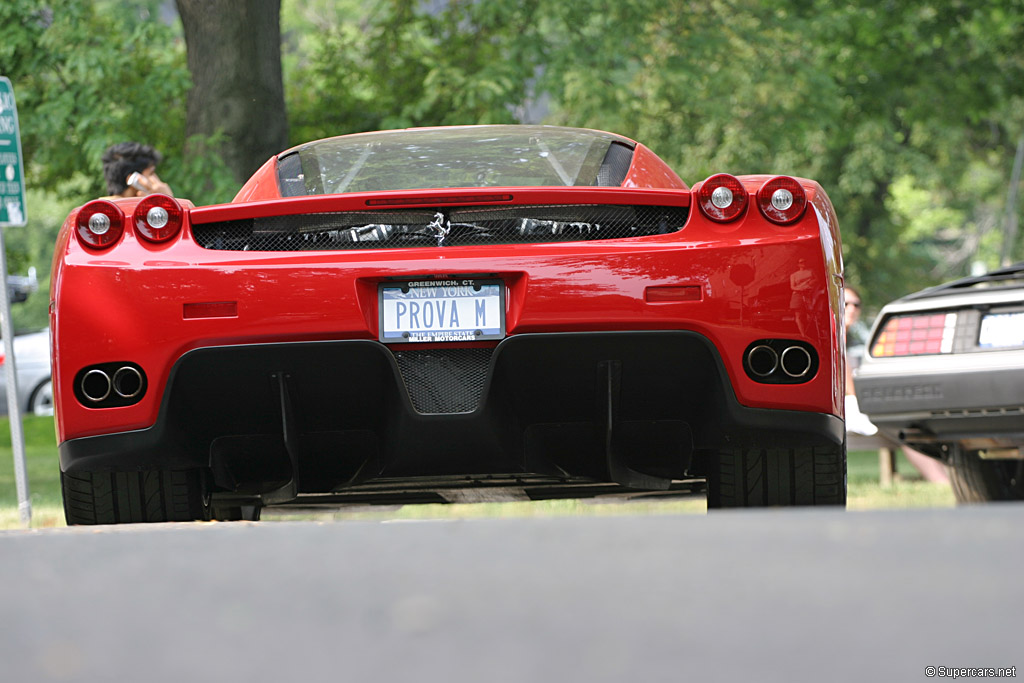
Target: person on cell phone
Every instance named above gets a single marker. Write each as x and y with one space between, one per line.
129 169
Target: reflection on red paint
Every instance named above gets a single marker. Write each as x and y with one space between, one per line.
667 294
211 309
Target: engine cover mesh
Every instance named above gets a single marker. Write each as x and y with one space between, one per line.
434 227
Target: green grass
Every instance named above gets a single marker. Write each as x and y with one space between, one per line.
908 490
47 511
43 470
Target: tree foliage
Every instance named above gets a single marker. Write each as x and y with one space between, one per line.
398 66
90 74
87 75
85 79
906 112
876 101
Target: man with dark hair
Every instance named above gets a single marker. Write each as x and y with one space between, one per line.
122 160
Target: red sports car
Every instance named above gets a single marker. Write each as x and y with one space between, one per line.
447 314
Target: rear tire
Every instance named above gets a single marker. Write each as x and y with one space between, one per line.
130 497
778 476
41 402
978 481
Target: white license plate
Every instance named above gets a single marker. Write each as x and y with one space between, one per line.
1001 330
442 311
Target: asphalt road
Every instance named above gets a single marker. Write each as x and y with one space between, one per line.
795 595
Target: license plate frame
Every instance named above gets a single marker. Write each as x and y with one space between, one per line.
439 311
1001 330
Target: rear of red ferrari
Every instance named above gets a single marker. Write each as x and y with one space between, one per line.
318 344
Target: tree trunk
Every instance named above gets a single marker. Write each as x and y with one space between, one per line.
234 56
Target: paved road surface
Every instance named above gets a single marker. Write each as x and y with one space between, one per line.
767 596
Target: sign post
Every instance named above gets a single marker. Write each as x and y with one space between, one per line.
12 213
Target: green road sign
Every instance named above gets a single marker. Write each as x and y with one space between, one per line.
12 179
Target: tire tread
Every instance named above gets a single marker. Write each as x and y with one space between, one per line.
130 497
778 476
978 481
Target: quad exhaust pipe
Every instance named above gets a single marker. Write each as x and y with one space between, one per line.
762 360
780 361
795 361
118 383
96 385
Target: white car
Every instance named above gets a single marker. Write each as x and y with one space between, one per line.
35 390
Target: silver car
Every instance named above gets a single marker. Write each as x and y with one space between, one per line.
944 374
35 390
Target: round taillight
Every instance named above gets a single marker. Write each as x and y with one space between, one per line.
722 198
99 224
158 218
782 200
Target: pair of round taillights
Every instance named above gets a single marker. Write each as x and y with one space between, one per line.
722 198
157 218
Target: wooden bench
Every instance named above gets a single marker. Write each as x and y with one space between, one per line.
886 453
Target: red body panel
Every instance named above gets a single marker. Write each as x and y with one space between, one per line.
128 303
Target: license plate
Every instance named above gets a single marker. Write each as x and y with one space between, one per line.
442 311
1001 330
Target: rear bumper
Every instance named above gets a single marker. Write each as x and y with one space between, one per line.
979 401
345 411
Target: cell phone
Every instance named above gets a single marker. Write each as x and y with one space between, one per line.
133 180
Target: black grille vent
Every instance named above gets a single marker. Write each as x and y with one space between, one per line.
439 227
444 380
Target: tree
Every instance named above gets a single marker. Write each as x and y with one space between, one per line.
234 58
907 113
79 91
400 65
86 75
919 156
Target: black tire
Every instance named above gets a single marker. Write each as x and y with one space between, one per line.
129 497
41 401
978 481
778 476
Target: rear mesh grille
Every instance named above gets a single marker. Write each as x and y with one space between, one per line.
444 380
439 227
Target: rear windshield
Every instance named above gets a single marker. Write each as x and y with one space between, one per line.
472 156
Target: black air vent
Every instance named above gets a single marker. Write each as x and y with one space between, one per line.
443 226
444 380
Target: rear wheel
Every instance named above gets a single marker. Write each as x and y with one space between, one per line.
778 476
41 402
977 481
128 497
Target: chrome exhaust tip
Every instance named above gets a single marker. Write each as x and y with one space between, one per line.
95 385
127 382
762 360
796 361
